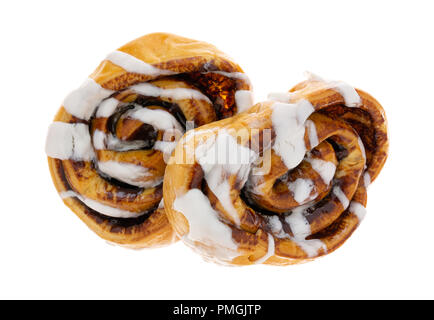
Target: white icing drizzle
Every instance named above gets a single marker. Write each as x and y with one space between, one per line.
192 134
101 208
159 119
301 230
128 173
165 146
270 250
311 246
299 225
362 147
358 209
69 141
289 125
134 65
243 100
67 194
367 179
220 187
284 97
350 95
82 102
99 140
150 90
301 189
102 141
276 226
107 108
341 197
325 169
313 136
161 204
205 226
221 157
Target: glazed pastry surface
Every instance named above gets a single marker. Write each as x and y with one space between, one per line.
109 141
281 183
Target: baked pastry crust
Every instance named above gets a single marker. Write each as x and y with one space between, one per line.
328 143
189 76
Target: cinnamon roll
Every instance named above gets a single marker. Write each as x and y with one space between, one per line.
108 143
283 182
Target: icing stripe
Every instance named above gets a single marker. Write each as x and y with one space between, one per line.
301 189
134 65
101 208
67 194
298 223
270 250
99 140
284 97
159 119
82 102
341 197
312 246
69 141
107 108
205 226
243 100
367 179
350 95
301 229
362 147
313 136
358 209
148 89
222 156
165 146
128 173
102 141
325 169
288 123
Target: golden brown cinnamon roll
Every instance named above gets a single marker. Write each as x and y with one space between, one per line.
281 183
107 144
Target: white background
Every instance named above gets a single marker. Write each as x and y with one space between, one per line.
385 48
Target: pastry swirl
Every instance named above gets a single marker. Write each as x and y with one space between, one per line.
282 183
108 143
